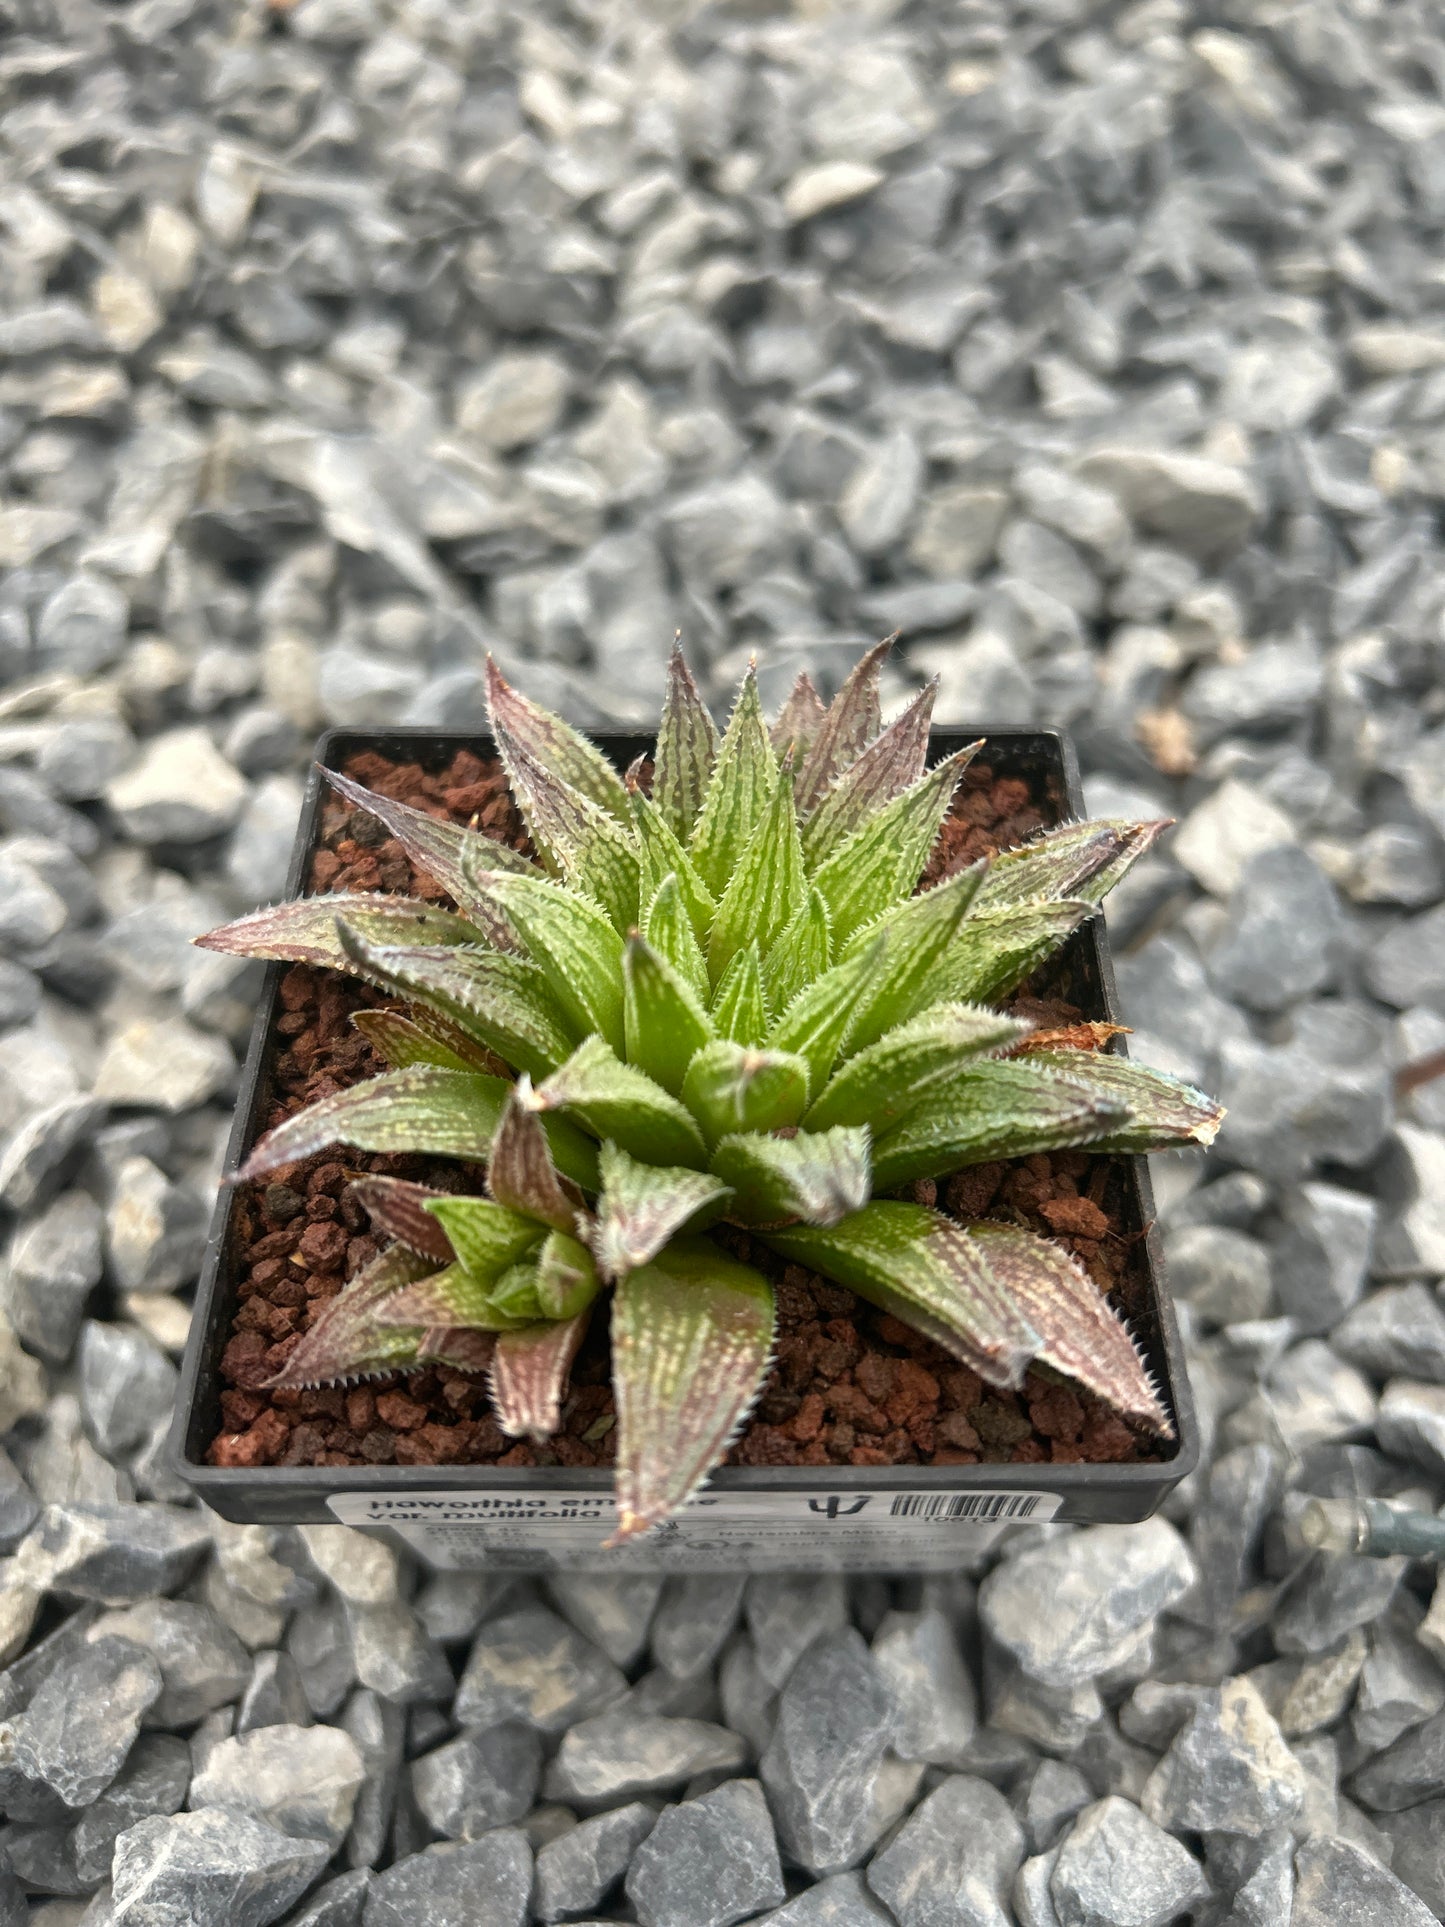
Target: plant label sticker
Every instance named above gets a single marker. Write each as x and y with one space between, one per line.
890 1530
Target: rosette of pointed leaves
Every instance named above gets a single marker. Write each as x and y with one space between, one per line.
718 998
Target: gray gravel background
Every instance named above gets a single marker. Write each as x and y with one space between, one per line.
1099 348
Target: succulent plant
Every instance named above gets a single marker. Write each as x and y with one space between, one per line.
716 999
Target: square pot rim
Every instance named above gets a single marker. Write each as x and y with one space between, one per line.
1141 1485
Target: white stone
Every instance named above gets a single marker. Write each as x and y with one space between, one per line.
181 791
164 1064
1220 835
813 190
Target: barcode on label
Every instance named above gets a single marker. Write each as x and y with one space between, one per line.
965 1505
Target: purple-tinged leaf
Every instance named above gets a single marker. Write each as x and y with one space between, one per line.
304 930
348 1340
561 750
614 1100
997 948
1081 1334
743 779
766 889
424 1037
398 1209
799 719
528 1375
581 841
882 862
848 725
442 849
813 1177
642 1206
686 750
732 1087
738 1009
664 1019
572 943
992 1108
449 1299
692 1337
521 1174
454 1345
924 1269
917 934
890 765
890 1079
1163 1112
504 1002
451 1113
1082 861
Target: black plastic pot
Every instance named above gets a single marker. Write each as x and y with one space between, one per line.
796 1517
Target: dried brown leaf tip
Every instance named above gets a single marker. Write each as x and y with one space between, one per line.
724 1004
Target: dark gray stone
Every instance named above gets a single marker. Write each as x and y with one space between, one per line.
1115 1868
1398 1331
203 1664
954 1859
452 1605
73 1737
1411 1424
55 1263
1417 1850
152 1781
1322 1253
1224 1273
378 1729
19 1507
613 1610
1400 1685
118 1553
918 1658
210 1869
1334 1593
615 1756
843 1900
1285 929
1407 1773
1338 1884
483 1883
529 1665
478 1781
339 1903
835 1720
1407 966
578 1869
319 1642
1054 1793
708 1862
694 1620
1228 1770
786 1612
274 1695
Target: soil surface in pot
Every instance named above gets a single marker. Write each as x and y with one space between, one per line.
850 1385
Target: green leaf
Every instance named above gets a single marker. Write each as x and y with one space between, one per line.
891 764
738 1010
521 1174
814 1025
563 752
567 1280
997 948
451 1113
614 1100
662 856
668 927
1081 1334
991 1109
451 1299
528 1375
801 953
515 1293
347 1340
686 749
799 720
766 888
398 1209
730 1087
1163 1112
816 1176
919 933
304 931
692 1338
880 863
505 1002
664 1021
743 779
574 946
407 1040
924 1269
486 1236
1082 861
848 725
444 850
888 1081
642 1206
